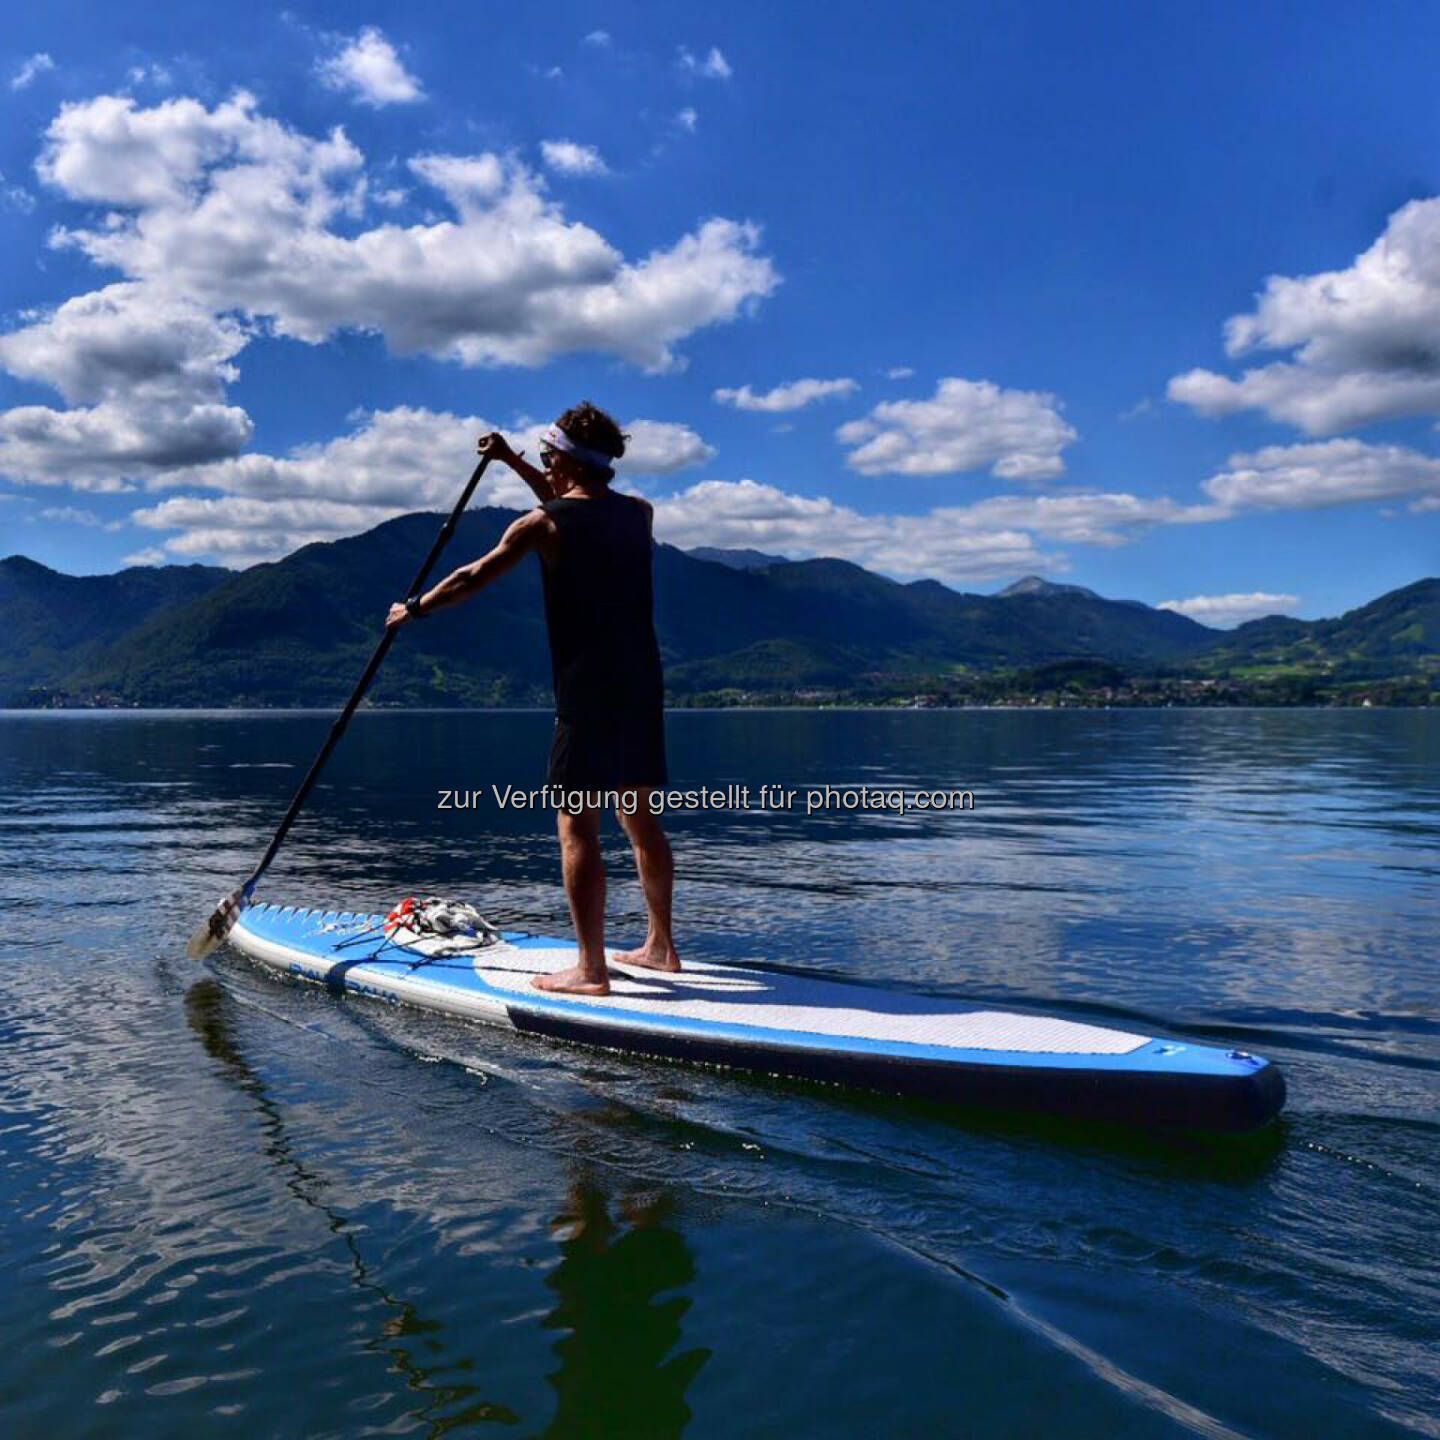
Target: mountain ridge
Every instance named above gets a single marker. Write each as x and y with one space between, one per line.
296 631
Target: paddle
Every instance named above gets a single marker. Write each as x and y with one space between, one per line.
225 914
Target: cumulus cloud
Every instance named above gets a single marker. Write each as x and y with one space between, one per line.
101 447
1364 341
401 460
37 64
146 373
794 396
154 555
598 38
568 158
968 425
1225 611
1314 476
1081 518
748 514
660 447
393 462
239 531
237 212
368 67
126 340
397 460
713 67
687 119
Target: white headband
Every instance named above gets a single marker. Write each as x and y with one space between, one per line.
557 439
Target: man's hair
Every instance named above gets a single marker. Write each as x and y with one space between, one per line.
591 427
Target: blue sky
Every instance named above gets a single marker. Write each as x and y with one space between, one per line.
1143 298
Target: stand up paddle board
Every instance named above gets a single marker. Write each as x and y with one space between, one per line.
782 1024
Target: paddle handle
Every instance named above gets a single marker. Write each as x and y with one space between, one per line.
381 650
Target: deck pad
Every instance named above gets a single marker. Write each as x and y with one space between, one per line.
780 1022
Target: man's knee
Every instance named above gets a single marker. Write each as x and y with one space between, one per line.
640 823
578 829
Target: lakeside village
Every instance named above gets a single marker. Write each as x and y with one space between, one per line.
1065 685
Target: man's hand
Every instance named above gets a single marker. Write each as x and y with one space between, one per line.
497 447
398 616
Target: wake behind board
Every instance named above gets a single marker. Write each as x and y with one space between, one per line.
783 1024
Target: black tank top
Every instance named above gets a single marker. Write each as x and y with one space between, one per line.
600 609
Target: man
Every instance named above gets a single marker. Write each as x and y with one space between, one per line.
594 547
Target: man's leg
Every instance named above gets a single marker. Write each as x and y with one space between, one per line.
656 866
584 869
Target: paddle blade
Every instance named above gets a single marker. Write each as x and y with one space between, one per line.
218 926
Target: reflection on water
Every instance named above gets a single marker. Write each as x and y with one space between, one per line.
405 1330
618 1375
331 1217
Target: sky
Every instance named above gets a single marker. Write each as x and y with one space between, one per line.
1143 297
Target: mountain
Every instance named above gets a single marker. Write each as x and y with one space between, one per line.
737 559
1400 629
299 630
1034 585
51 623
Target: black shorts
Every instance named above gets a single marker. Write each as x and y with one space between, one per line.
619 750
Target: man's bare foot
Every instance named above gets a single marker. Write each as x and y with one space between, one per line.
572 982
650 957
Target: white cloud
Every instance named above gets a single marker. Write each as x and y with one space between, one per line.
599 38
393 460
1080 518
402 460
392 463
1365 340
471 183
968 425
1223 611
368 67
713 67
103 447
15 197
660 447
793 396
1313 476
148 74
568 158
69 515
687 119
241 531
899 372
36 65
748 514
127 340
234 211
147 374
153 556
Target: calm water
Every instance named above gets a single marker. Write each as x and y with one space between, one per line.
235 1206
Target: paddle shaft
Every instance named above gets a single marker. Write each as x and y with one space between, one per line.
381 650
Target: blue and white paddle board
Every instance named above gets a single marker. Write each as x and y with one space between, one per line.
783 1024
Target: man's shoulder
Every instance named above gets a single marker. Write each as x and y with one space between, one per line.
636 502
530 526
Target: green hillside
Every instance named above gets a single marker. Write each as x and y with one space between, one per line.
298 631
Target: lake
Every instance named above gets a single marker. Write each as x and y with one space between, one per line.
233 1205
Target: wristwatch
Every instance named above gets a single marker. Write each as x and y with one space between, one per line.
413 606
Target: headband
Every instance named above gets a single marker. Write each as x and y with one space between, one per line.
557 439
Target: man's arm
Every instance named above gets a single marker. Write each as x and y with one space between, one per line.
528 534
497 447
